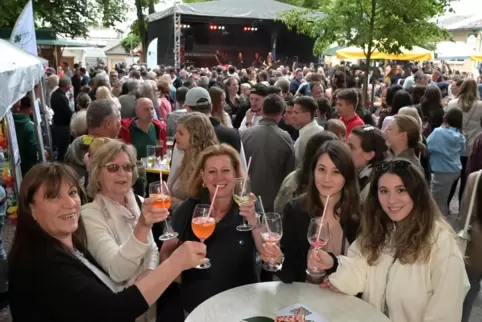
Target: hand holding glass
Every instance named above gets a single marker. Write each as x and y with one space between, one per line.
241 191
317 239
272 228
161 197
203 227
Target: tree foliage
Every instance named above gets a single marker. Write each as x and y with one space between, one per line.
130 42
69 17
382 25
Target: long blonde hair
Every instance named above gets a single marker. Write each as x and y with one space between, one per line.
201 136
104 93
468 94
195 182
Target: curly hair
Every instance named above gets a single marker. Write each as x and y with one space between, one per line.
410 239
201 136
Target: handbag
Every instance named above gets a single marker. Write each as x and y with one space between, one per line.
463 236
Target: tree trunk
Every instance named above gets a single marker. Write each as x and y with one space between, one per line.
142 29
151 7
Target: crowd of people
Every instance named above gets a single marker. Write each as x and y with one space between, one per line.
382 168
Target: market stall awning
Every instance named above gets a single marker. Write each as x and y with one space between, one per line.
19 73
417 54
69 43
477 57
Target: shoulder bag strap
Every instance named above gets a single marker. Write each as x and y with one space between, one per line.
472 202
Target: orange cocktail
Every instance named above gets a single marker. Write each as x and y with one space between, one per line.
203 227
161 201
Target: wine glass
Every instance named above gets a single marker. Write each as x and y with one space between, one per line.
161 196
203 226
241 191
151 156
317 239
272 233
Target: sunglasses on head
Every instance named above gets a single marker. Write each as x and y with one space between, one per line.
393 165
114 168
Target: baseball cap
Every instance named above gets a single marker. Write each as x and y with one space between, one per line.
260 89
50 71
197 96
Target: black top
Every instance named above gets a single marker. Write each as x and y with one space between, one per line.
294 243
294 133
48 284
226 135
61 107
232 254
243 109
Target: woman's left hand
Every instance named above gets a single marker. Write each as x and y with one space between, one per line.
248 210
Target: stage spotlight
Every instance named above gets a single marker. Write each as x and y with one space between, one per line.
255 29
188 26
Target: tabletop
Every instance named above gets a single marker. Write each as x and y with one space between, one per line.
264 299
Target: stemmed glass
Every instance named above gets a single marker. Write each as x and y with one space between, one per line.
241 191
317 239
161 196
272 233
203 226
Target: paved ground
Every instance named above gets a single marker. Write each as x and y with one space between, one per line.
476 311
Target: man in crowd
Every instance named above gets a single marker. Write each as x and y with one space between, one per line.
25 131
172 117
272 152
62 114
143 130
254 114
103 120
346 103
304 121
128 101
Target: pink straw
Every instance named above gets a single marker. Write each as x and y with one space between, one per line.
161 183
322 218
212 201
246 178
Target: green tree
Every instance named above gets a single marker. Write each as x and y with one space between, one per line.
69 17
139 27
130 42
374 25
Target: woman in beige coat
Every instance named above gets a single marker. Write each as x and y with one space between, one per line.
406 260
474 247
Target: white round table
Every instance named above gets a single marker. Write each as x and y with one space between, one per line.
264 299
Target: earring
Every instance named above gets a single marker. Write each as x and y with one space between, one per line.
204 185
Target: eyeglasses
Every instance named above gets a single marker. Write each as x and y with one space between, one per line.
114 168
393 165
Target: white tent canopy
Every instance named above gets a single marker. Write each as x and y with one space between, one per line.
19 73
448 50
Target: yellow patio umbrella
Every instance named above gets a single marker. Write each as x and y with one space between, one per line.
476 57
417 53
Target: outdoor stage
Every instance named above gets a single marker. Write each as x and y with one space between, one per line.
230 28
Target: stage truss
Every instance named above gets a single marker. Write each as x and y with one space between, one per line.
177 38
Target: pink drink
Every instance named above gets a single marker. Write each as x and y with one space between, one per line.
271 238
317 243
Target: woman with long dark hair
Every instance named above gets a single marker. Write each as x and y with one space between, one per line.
333 174
53 277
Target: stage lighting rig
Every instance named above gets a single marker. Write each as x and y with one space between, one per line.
216 27
183 26
250 28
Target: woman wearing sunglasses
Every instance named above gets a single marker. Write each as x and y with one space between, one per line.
118 224
405 260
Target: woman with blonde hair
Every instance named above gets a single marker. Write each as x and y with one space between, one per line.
118 223
218 99
194 134
405 261
233 254
103 92
403 136
78 122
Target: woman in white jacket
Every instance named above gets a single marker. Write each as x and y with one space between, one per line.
119 233
405 261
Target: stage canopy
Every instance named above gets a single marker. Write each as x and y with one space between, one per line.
247 9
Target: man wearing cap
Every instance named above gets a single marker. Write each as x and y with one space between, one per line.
256 100
199 100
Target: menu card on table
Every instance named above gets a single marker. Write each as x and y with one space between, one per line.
309 314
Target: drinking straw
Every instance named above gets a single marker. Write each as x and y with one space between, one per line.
246 177
161 183
264 214
322 218
212 202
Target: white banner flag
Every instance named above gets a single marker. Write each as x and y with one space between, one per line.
23 34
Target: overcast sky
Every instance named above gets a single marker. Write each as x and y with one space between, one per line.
467 7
